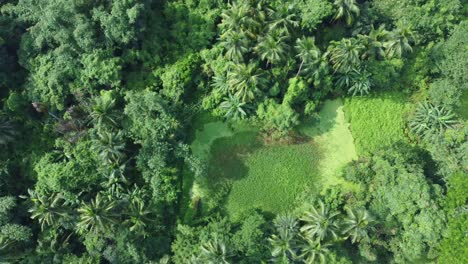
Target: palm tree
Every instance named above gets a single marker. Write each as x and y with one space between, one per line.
320 223
399 43
345 54
313 252
357 224
283 246
234 16
235 43
220 83
96 216
286 223
272 47
102 110
139 216
375 41
360 82
245 81
7 131
430 120
307 52
240 17
234 108
284 18
50 210
214 252
347 9
110 146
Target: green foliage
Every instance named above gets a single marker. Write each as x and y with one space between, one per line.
452 247
246 81
345 54
74 174
115 86
313 12
297 92
429 18
102 111
100 68
278 119
272 47
429 120
359 83
449 149
399 41
234 108
7 131
320 223
178 80
308 53
377 121
347 10
444 93
13 237
356 225
97 216
452 57
405 203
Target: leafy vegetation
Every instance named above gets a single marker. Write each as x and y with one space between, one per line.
377 121
243 131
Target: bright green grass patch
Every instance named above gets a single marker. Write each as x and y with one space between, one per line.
377 121
331 132
272 178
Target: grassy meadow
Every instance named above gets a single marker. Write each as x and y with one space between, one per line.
244 173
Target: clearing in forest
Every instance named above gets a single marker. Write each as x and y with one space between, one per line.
243 173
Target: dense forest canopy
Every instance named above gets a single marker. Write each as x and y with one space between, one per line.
243 131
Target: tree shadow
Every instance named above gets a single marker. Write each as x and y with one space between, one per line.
323 122
227 157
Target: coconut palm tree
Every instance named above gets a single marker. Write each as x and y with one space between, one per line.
138 214
110 146
234 108
308 53
235 15
320 223
214 252
284 18
272 47
345 54
50 209
235 44
97 216
312 251
430 120
286 223
283 246
374 42
220 83
357 224
7 131
245 81
347 10
102 110
241 17
399 41
360 82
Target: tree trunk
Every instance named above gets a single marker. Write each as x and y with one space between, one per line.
300 68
